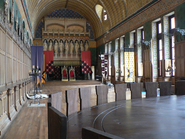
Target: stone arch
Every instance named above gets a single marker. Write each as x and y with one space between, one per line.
125 8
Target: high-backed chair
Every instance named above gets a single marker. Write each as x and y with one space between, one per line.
72 101
72 76
64 74
165 88
120 91
136 89
151 89
102 92
85 97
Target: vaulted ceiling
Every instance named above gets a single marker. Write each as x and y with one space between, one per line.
117 10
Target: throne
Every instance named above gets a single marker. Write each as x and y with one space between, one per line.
64 74
72 76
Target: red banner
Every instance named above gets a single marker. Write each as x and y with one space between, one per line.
49 62
49 56
86 56
86 62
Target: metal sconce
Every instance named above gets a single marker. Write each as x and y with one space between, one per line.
181 31
147 43
168 34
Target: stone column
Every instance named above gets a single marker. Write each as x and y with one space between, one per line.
20 94
8 103
15 98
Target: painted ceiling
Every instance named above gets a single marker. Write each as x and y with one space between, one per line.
117 10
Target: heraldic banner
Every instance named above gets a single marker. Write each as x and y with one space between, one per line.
104 65
86 62
49 62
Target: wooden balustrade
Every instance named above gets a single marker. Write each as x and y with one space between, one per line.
11 102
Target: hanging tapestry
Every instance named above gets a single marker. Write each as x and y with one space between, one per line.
57 73
129 65
50 68
78 72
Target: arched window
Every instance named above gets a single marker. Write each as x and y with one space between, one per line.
116 58
109 53
104 15
122 45
140 39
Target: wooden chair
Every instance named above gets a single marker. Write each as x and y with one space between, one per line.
64 74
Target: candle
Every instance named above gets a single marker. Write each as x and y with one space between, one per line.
39 71
33 66
37 67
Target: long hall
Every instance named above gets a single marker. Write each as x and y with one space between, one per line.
118 59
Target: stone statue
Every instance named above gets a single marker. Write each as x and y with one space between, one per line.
86 46
16 24
1 14
50 45
71 47
45 47
61 47
56 47
66 48
76 47
12 15
81 46
25 38
19 29
6 7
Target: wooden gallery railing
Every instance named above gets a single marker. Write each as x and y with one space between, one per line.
11 102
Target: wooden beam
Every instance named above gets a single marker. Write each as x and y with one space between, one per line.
66 3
